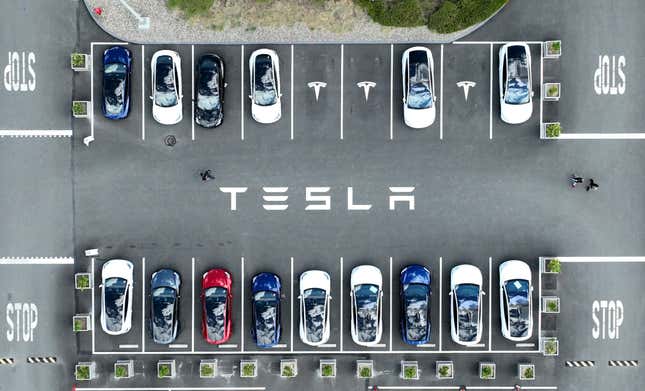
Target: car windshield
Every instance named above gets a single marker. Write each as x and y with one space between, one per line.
420 95
114 79
265 90
517 292
517 88
215 302
165 92
115 291
366 296
315 307
266 316
467 296
416 311
163 313
208 97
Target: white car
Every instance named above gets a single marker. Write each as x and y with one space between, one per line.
515 302
419 101
166 87
315 288
116 296
515 81
466 305
366 294
264 71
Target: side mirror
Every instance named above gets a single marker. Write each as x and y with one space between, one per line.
299 297
279 95
250 97
225 85
150 97
450 293
483 293
403 99
532 93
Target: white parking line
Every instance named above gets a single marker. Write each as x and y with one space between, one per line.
192 321
541 84
327 345
242 302
457 387
192 91
92 91
490 296
601 259
341 302
224 351
93 312
178 345
426 345
490 120
37 261
143 92
228 346
129 346
391 93
242 97
602 136
35 133
143 304
99 43
440 293
525 345
378 345
279 346
291 105
172 388
342 72
493 42
291 306
441 99
390 304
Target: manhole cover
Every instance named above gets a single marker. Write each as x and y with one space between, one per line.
170 140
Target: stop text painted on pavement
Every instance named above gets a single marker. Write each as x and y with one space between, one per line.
22 319
19 73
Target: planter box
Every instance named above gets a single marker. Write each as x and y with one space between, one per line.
80 109
327 368
289 368
526 371
207 368
83 281
552 49
364 369
445 370
550 347
249 368
166 369
551 130
80 62
551 91
123 369
550 304
487 370
85 371
82 322
547 266
410 370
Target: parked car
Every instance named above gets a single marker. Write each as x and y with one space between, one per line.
117 66
417 68
217 302
265 303
116 296
415 304
465 305
167 96
366 293
209 105
164 311
264 70
515 83
315 288
516 306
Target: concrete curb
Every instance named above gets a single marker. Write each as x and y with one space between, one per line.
445 38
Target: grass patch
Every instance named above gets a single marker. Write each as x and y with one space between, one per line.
191 7
455 15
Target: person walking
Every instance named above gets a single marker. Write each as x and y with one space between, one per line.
574 179
592 185
206 175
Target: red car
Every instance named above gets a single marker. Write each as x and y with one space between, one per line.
217 302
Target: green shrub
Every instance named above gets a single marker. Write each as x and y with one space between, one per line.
78 60
528 373
554 264
83 372
287 371
553 91
164 370
554 47
206 370
83 281
191 7
327 370
365 372
552 306
487 372
551 347
553 130
444 371
248 369
79 108
410 372
399 13
120 371
456 15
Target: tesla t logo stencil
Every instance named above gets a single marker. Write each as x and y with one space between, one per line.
19 74
22 319
466 85
605 81
317 85
366 85
607 316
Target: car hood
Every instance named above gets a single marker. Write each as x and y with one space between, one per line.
516 114
465 274
267 114
366 274
419 118
415 274
266 282
117 268
117 54
167 115
315 279
165 278
514 270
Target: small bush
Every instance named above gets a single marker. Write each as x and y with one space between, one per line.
552 306
487 372
164 370
444 371
83 281
248 369
80 324
551 347
401 13
410 372
78 60
287 371
191 7
206 370
120 371
554 264
552 131
553 91
459 14
365 372
79 108
554 47
528 373
83 372
327 370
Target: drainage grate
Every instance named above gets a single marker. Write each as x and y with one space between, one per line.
623 363
170 140
580 364
6 360
41 360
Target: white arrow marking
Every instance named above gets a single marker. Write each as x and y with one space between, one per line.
366 85
466 86
316 85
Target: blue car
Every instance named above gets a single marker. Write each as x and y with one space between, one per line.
117 64
164 311
265 300
415 305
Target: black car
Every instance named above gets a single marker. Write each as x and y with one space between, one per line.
117 63
209 109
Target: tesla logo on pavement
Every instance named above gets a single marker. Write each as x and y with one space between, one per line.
22 319
19 74
317 85
607 317
366 85
604 78
466 85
